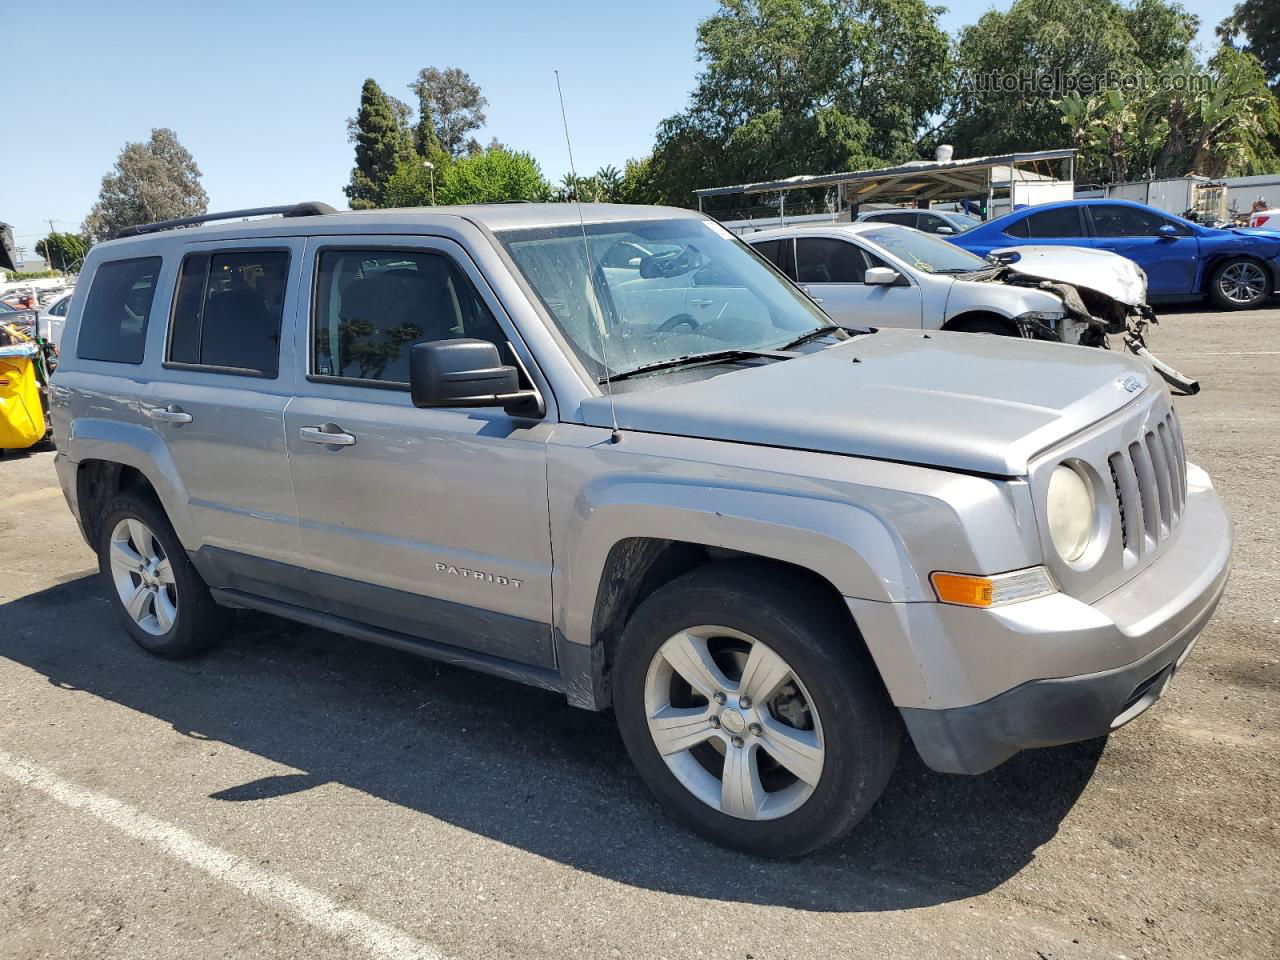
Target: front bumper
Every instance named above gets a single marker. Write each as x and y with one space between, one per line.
976 686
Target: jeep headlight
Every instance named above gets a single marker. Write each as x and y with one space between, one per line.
1070 511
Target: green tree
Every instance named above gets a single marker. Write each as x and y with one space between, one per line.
1236 121
637 182
1258 23
62 251
156 180
792 86
383 144
1009 63
450 108
492 175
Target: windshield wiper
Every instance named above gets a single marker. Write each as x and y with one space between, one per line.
714 356
813 334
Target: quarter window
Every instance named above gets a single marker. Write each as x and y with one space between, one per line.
1058 222
113 326
372 306
227 311
823 260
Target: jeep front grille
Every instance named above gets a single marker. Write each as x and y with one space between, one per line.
1150 482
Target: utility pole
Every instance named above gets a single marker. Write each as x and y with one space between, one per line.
48 249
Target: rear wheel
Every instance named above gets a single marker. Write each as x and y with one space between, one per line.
163 602
1239 284
751 710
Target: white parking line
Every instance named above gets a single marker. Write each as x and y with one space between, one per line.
359 929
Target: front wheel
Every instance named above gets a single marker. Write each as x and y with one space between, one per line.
751 710
1239 284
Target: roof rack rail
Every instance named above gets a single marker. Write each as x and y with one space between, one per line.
312 208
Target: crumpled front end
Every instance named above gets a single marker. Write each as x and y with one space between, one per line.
1103 294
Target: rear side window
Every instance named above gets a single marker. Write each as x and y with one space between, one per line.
372 306
227 311
903 219
113 326
1059 222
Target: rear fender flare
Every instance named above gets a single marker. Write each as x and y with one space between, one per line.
141 448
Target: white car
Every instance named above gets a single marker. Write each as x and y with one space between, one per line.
53 318
1265 218
944 222
891 276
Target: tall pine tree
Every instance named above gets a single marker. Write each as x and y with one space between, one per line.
382 144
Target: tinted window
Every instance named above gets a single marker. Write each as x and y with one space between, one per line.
905 218
227 310
823 260
1117 221
114 323
771 250
372 306
59 309
1058 222
930 222
1017 229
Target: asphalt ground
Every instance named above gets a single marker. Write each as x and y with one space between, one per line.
297 794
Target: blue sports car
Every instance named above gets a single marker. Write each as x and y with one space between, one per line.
1235 269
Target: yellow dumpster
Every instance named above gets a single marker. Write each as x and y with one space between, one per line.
21 413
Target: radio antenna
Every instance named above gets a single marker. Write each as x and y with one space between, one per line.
591 298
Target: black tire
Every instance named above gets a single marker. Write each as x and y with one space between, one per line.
989 325
802 624
199 622
1218 296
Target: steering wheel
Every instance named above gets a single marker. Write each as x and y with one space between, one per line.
679 320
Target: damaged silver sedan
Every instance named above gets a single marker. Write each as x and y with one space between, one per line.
885 275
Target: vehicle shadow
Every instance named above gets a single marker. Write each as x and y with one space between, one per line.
522 767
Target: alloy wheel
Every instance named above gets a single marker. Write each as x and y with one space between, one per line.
1242 282
143 577
734 723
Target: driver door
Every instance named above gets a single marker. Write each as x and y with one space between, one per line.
833 272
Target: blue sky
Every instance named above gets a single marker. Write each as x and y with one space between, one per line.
260 91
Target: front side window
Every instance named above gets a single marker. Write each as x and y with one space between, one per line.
113 326
824 260
1058 222
1113 220
372 306
693 290
923 251
59 309
227 311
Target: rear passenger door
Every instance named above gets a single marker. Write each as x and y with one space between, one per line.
431 523
227 376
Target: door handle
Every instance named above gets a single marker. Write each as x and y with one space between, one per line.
331 435
701 303
170 414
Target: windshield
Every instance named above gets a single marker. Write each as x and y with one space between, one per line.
923 251
963 221
651 291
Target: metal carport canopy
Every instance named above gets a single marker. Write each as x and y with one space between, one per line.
919 180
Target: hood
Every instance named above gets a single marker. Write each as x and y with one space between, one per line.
954 400
1083 267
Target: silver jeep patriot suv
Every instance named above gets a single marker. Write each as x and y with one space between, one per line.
613 453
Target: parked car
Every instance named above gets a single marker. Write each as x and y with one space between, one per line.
1234 269
1265 218
671 485
945 222
887 275
53 318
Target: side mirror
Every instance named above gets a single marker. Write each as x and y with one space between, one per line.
1167 230
467 373
881 276
945 230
